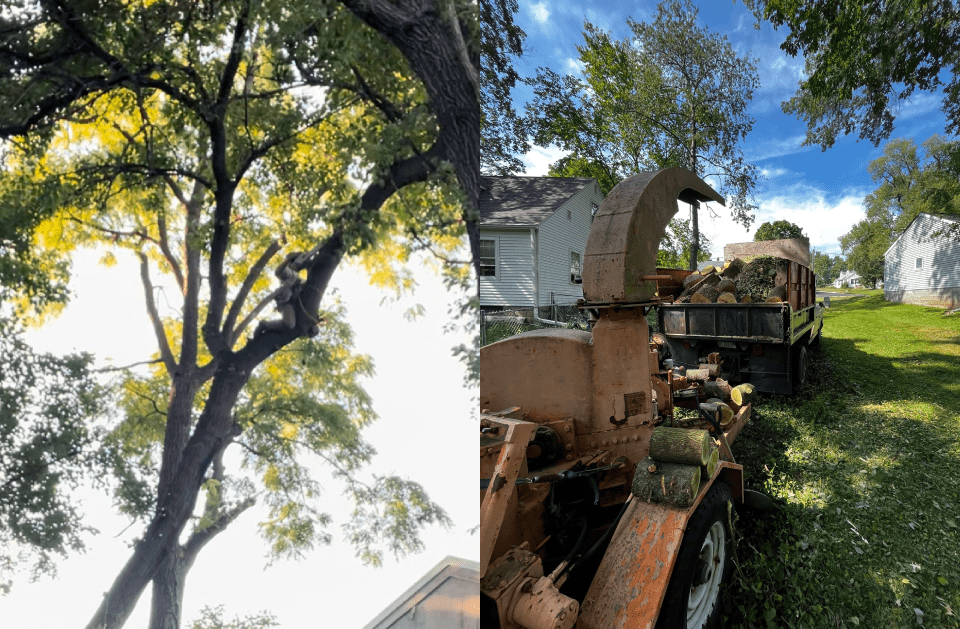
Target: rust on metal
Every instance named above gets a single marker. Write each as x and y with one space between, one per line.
494 505
622 247
633 577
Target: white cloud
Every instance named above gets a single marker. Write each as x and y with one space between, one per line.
538 160
919 104
540 12
757 152
823 219
575 66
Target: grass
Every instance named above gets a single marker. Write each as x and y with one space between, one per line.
864 465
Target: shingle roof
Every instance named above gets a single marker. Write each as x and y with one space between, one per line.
525 201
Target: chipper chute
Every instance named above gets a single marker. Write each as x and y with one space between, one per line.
574 529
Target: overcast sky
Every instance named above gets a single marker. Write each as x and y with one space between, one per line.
822 192
425 431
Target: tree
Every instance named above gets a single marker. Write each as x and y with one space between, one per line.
46 404
777 230
863 60
913 180
205 141
502 131
674 94
864 246
827 267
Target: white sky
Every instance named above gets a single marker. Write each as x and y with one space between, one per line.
425 427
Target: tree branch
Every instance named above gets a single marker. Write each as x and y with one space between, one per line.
245 289
165 353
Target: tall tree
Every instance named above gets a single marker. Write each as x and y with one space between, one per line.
864 59
776 230
911 180
208 140
827 267
502 132
674 94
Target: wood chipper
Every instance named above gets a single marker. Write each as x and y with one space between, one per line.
601 506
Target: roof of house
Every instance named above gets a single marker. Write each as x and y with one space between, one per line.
450 568
944 217
525 201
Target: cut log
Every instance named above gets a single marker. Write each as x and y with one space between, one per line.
718 388
773 300
672 483
691 279
719 410
778 291
727 298
713 358
707 270
680 445
710 468
727 286
710 292
679 383
700 298
746 299
732 269
712 368
742 394
698 375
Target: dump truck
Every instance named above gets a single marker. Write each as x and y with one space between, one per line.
765 344
603 504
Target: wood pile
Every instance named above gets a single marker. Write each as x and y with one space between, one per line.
762 279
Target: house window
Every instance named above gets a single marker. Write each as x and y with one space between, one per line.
593 209
576 269
488 257
919 263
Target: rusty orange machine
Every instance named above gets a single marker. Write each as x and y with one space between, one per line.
599 507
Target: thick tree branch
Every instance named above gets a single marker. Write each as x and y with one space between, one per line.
163 343
245 289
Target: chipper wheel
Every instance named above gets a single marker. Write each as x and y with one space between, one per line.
704 562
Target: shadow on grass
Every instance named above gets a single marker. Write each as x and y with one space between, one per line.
855 462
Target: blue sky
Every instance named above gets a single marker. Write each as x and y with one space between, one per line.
822 191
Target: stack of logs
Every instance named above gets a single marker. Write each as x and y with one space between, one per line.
680 457
737 282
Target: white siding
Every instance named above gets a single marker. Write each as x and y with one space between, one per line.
559 236
513 285
940 255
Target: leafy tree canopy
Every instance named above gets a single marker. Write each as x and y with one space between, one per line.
827 267
211 145
863 60
776 230
503 136
911 180
672 94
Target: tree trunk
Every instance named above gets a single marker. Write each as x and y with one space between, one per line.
694 236
167 603
667 482
680 445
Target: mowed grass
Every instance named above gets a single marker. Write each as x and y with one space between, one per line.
864 466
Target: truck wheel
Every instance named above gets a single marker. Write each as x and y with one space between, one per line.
703 563
800 368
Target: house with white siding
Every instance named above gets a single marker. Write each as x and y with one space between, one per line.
847 279
533 232
923 265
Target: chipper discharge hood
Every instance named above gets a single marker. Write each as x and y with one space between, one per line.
579 525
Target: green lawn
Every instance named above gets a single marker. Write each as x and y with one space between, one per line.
864 466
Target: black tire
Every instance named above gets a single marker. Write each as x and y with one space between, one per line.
800 363
704 562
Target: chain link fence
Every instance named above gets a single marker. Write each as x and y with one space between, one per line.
500 324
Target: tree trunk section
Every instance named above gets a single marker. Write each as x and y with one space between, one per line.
667 482
718 389
742 394
680 445
166 607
